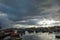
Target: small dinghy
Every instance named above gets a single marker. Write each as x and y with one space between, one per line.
57 36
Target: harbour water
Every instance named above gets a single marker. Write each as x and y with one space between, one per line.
40 36
36 36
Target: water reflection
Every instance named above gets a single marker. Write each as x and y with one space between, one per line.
40 36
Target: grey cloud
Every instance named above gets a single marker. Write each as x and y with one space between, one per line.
28 21
4 21
19 10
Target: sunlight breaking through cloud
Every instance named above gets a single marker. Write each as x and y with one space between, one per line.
29 12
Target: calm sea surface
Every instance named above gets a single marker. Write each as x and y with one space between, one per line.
39 36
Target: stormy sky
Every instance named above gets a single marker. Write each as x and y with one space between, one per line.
28 12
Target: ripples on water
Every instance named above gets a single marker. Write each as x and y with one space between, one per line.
39 36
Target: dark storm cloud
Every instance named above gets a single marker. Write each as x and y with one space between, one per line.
4 21
29 10
20 8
